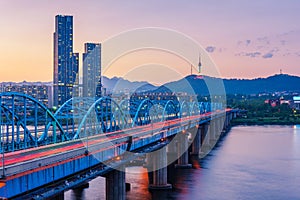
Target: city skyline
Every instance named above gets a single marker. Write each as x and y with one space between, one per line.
245 39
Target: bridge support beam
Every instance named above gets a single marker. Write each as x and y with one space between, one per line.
79 190
196 144
220 126
206 142
213 131
60 196
159 173
115 184
182 150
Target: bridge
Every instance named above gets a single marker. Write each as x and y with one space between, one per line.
44 153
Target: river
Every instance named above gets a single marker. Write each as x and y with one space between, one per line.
251 162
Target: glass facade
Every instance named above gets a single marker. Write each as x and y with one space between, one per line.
65 61
92 70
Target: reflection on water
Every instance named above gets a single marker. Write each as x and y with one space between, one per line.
255 162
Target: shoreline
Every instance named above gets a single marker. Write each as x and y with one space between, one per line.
261 123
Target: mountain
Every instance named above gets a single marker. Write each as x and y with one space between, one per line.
119 84
275 83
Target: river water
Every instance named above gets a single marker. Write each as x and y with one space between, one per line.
251 162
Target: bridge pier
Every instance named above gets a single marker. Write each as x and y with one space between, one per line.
214 132
60 196
159 173
79 190
182 150
203 133
115 184
196 144
227 122
220 123
206 143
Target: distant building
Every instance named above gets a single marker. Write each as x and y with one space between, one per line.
38 90
296 102
272 102
66 63
277 102
92 70
50 95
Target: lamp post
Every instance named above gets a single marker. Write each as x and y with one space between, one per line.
2 143
3 166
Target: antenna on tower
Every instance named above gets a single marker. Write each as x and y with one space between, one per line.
199 64
280 71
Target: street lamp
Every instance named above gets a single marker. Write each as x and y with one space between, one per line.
2 144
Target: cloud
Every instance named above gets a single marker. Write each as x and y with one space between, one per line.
253 54
249 54
264 40
248 42
244 42
283 42
268 55
210 49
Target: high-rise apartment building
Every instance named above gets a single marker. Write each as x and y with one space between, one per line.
65 61
92 70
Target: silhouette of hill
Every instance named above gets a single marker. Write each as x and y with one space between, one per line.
119 84
275 83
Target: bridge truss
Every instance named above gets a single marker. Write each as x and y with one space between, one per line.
27 123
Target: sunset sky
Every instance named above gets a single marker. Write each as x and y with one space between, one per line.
246 39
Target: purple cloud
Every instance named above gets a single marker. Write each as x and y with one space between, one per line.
253 54
248 42
249 54
268 55
210 49
244 42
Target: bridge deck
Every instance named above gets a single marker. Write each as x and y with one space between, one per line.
18 157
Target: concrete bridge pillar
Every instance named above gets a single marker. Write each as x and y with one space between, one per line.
159 173
213 131
228 121
204 129
172 151
225 123
182 150
78 191
115 184
196 145
60 196
207 142
221 121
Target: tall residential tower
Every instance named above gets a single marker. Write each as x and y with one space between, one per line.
65 61
92 70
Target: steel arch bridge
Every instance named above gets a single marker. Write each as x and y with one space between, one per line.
27 123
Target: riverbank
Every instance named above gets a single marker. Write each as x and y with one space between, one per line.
265 121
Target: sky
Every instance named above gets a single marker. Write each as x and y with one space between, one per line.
245 39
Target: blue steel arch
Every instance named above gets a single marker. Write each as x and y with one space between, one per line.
100 121
142 115
201 107
184 105
19 122
18 104
171 109
45 134
194 108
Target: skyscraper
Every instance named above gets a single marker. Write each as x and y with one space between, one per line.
92 70
65 61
